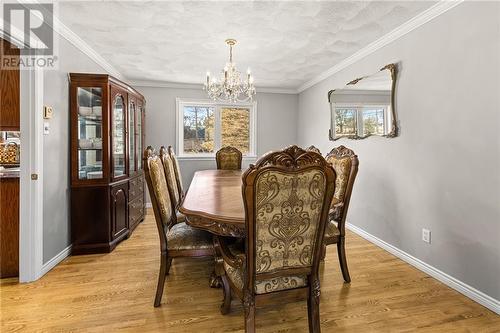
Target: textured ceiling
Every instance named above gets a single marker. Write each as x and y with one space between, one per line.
284 43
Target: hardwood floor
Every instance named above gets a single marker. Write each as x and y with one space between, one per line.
112 292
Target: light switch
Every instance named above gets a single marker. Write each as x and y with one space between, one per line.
46 128
48 112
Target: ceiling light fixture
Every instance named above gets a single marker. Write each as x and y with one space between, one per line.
230 87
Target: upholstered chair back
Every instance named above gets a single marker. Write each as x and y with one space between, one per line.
228 158
345 163
287 197
159 194
177 170
169 168
314 149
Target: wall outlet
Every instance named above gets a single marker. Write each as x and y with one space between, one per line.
426 235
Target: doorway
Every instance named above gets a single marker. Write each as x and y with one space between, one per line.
21 122
10 146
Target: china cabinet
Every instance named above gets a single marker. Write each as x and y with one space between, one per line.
107 178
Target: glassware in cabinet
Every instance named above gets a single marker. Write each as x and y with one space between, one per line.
89 136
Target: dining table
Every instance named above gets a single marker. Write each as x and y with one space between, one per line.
214 203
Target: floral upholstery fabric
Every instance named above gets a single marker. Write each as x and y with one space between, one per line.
177 170
229 159
160 190
183 237
265 286
171 180
336 209
288 212
342 168
331 230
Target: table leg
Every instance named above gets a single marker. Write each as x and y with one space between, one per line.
215 278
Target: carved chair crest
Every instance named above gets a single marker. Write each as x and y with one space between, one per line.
229 158
314 149
287 197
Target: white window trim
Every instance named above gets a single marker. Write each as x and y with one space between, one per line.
179 128
359 115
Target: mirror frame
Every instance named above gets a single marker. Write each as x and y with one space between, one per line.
393 68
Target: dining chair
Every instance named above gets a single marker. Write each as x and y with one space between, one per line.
314 149
345 163
287 197
228 158
176 239
173 190
177 170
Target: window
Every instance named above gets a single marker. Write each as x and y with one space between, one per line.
361 119
203 127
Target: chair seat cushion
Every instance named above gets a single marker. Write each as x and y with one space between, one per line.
265 286
183 237
236 275
180 217
331 230
336 209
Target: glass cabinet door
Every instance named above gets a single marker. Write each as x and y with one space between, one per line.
118 136
139 137
131 138
89 133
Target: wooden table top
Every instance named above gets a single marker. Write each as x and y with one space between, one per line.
214 202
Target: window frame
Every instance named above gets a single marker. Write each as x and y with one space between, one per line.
359 108
179 128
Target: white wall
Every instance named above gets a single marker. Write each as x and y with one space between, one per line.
276 123
442 173
56 177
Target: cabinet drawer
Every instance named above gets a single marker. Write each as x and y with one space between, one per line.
136 209
136 188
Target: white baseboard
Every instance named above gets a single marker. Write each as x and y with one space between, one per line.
54 261
463 288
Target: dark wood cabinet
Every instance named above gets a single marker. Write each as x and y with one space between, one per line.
107 178
9 227
9 87
119 210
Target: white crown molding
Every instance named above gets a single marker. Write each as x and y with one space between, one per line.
164 84
463 288
79 43
422 18
85 48
178 85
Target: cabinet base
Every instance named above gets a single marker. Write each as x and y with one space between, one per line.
79 249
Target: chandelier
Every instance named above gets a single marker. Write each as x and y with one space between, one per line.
230 87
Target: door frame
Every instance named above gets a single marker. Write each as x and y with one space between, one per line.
31 160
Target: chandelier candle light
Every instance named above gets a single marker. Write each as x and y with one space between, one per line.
230 87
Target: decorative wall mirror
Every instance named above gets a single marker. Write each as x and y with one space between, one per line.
365 107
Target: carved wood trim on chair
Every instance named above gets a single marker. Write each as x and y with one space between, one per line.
314 149
177 171
180 234
296 187
338 210
228 158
